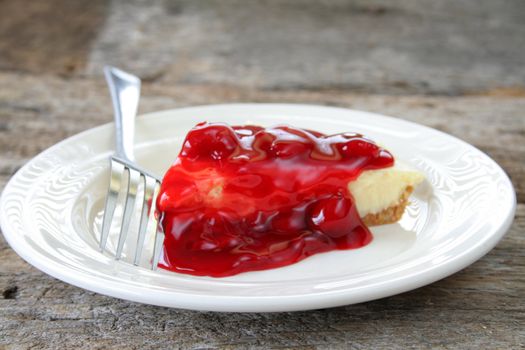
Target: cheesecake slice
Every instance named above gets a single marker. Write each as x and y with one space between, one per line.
381 195
245 198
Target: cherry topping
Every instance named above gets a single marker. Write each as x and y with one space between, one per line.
246 198
290 149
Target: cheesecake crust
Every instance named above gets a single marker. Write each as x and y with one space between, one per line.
391 214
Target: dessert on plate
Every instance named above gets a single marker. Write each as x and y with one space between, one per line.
245 198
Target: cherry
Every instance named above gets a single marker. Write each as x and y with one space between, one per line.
210 141
289 222
359 147
262 142
220 230
332 216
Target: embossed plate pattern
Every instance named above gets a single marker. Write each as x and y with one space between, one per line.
51 209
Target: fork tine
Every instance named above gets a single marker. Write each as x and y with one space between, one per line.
149 189
133 184
115 183
159 240
153 223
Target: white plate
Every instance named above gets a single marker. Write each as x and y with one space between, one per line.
50 215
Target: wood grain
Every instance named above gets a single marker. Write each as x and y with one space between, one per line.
480 307
48 36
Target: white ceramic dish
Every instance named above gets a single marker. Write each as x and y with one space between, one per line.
50 215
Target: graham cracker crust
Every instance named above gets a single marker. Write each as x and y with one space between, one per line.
390 214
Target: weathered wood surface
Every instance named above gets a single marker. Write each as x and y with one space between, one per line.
453 66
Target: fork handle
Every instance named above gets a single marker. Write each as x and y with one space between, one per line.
125 94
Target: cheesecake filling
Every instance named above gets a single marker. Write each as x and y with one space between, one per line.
374 191
245 198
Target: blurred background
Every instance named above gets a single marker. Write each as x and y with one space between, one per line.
443 47
454 65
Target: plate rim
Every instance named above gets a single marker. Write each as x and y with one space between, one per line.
226 303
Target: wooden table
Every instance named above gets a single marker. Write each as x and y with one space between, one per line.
457 67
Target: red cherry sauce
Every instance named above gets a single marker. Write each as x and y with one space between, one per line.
244 198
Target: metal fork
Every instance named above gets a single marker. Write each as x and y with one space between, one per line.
125 93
